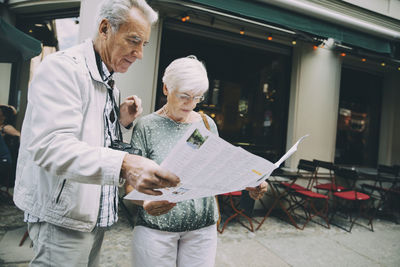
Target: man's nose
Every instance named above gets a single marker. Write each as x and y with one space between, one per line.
138 52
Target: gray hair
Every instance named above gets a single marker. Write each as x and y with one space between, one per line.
116 12
186 74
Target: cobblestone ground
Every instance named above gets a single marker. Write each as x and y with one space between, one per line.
10 218
277 243
117 241
115 250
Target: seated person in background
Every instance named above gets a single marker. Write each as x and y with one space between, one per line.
10 136
7 120
184 233
5 164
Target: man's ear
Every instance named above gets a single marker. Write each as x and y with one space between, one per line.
165 90
104 28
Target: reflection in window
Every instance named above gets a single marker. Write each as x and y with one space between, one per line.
359 118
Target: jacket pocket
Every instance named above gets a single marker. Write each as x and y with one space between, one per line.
61 189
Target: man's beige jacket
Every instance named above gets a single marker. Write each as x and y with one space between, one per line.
62 159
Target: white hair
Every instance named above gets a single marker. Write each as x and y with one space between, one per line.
186 74
116 12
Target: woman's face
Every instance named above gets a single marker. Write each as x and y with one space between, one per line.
181 104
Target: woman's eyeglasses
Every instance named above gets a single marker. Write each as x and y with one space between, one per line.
186 97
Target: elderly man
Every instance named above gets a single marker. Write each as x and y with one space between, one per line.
68 171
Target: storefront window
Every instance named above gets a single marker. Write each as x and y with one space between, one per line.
248 94
359 118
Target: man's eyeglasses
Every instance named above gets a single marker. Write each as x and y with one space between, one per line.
186 97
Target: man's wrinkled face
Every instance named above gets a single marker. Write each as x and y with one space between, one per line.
123 47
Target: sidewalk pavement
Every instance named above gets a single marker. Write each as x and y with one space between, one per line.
277 243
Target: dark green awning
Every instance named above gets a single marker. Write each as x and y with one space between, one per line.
16 45
296 21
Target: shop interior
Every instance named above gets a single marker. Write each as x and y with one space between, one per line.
357 137
248 96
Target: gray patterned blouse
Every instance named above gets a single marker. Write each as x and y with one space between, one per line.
156 136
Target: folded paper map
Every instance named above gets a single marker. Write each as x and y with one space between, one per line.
207 165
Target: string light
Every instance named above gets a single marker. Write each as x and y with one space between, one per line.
185 18
293 42
382 63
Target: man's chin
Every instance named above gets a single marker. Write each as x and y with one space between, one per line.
123 69
124 66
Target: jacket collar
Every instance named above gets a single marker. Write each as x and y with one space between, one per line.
90 58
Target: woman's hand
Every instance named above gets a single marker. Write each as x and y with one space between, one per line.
157 208
258 192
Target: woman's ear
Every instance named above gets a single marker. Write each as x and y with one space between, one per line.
165 90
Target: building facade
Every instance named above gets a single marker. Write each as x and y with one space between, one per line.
280 69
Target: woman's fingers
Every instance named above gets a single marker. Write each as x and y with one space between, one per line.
258 192
157 208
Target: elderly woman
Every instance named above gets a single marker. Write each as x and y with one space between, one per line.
184 233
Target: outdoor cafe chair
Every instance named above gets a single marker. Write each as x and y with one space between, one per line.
304 200
297 200
351 204
228 205
279 196
385 189
331 185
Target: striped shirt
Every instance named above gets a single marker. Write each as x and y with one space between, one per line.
109 193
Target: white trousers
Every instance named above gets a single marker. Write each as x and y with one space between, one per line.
182 249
